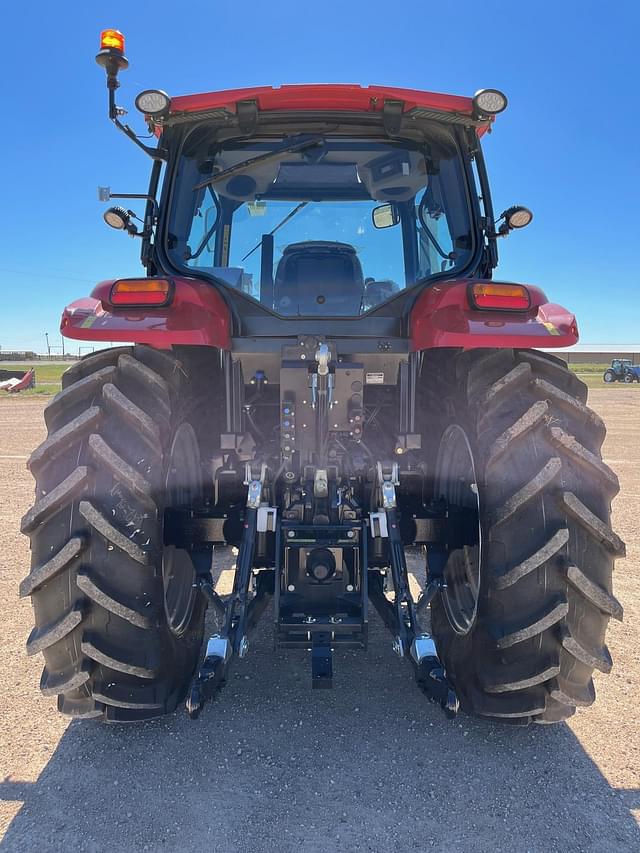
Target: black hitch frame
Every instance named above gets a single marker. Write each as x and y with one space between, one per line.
321 660
339 616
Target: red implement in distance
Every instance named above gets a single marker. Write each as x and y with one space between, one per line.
197 315
443 316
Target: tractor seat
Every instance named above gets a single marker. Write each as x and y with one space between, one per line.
318 277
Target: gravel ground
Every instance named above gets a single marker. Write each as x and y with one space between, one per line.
368 766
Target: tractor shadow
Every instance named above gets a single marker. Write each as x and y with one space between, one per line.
367 766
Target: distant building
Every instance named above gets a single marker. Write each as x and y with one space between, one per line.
21 355
598 353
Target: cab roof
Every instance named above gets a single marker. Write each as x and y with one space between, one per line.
328 97
321 96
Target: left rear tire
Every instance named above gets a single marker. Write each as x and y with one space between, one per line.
117 616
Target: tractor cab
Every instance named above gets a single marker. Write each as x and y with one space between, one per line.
619 364
328 223
319 202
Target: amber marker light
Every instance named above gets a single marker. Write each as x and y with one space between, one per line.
112 40
111 54
141 292
502 297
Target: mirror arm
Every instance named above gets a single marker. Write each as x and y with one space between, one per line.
155 153
105 194
493 233
151 218
113 61
149 221
114 114
491 250
503 230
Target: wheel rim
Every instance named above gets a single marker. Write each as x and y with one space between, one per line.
182 489
457 484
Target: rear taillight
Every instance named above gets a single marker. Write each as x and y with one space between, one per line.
141 292
502 297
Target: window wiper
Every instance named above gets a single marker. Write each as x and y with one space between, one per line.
282 222
300 144
425 231
206 237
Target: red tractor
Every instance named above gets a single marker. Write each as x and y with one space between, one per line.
319 370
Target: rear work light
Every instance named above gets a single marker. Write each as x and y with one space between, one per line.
153 102
141 292
502 297
489 102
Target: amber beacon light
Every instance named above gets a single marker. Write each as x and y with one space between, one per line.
112 40
111 53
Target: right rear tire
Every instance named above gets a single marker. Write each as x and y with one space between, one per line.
117 616
521 625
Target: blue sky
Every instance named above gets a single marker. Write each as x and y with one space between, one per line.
567 146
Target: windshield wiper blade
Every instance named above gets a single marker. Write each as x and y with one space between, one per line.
284 221
299 145
426 231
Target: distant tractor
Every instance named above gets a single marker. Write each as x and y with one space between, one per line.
622 370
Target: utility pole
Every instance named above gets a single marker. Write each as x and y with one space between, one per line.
46 334
62 338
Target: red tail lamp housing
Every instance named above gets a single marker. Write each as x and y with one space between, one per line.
141 292
500 297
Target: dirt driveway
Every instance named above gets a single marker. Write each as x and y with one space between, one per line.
369 766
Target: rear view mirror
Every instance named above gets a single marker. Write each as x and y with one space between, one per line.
385 215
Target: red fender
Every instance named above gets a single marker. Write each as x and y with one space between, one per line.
197 315
444 317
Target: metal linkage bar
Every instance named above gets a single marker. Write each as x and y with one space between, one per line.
431 675
238 611
235 626
406 621
402 615
432 680
403 600
260 601
205 582
211 675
